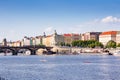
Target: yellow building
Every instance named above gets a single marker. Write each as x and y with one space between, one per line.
52 40
14 44
46 40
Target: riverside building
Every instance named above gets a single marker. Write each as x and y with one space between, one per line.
52 40
90 36
107 36
25 41
68 38
118 37
38 40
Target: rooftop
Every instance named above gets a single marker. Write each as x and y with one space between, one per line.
109 33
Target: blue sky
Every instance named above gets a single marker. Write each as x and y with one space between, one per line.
19 18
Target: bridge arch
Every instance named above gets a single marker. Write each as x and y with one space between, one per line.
32 49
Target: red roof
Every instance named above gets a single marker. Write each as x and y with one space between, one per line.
67 35
109 33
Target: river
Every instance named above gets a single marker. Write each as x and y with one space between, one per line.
63 67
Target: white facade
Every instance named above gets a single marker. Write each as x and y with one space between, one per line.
104 39
26 41
118 38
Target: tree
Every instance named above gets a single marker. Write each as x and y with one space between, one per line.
111 44
118 45
67 44
87 43
41 45
75 43
91 45
62 44
98 44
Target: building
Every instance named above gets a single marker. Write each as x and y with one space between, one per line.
68 38
52 40
4 42
32 41
82 37
26 41
47 40
16 44
10 43
56 39
107 36
38 40
90 36
118 37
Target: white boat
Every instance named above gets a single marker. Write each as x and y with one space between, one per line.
43 60
2 54
8 54
117 53
5 54
105 53
26 53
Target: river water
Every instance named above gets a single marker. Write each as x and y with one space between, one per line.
64 67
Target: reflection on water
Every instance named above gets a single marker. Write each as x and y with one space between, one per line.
82 67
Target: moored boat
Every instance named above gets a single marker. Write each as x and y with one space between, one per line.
116 53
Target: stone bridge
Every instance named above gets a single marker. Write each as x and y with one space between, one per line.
32 49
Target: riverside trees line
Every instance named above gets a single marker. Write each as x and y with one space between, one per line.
87 43
93 44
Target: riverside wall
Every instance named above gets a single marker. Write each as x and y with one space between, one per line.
76 50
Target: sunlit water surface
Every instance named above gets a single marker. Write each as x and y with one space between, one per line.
66 67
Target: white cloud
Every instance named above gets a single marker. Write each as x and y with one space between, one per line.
48 30
110 19
104 24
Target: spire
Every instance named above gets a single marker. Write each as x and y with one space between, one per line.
55 32
44 34
4 42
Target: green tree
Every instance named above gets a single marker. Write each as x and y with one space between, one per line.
111 44
98 44
41 45
118 45
75 43
62 44
67 44
87 43
91 45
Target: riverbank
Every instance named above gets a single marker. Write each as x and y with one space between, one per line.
79 50
67 51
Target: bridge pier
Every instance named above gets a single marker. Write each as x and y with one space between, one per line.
15 52
33 52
